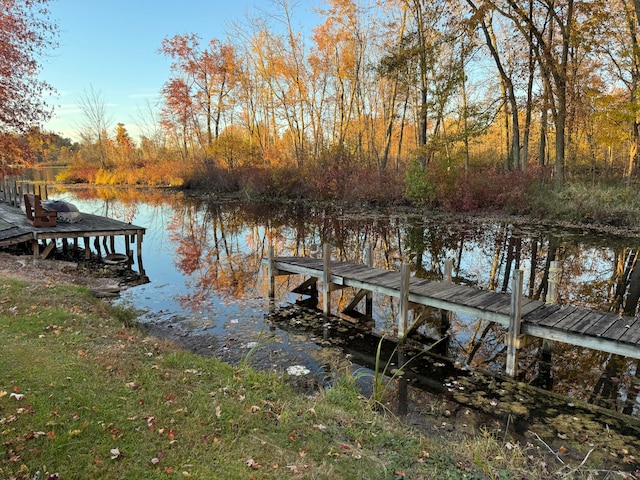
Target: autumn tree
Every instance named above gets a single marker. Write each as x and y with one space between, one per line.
178 117
125 148
552 54
622 54
341 45
484 19
209 74
26 34
48 146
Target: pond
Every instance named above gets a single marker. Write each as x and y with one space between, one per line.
208 289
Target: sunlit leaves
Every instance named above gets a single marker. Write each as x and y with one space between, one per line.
26 33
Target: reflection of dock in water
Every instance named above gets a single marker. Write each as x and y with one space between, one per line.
16 229
524 318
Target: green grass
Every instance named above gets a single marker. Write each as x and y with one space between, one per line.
84 396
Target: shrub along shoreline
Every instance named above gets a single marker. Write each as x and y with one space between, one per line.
85 395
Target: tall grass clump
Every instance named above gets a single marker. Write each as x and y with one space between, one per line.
585 203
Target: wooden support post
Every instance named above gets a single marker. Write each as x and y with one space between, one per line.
326 279
96 244
368 308
35 246
546 350
127 249
552 282
139 235
271 272
448 270
48 249
112 243
403 318
515 318
87 248
445 316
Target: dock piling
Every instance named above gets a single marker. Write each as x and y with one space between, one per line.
368 261
403 318
515 319
326 279
271 272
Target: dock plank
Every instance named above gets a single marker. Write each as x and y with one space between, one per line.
619 328
602 325
565 323
588 321
541 313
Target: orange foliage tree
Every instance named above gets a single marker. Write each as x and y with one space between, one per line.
26 33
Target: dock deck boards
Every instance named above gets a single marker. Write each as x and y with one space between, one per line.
582 327
16 228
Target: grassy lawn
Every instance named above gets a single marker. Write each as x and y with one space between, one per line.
84 396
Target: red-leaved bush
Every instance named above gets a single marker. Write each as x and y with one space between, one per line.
494 189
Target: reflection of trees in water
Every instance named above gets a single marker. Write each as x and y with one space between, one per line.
220 248
216 249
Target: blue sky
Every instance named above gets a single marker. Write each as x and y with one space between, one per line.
111 46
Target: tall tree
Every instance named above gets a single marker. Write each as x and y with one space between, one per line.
26 34
96 122
553 59
484 20
209 73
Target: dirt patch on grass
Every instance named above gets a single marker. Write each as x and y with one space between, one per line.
92 275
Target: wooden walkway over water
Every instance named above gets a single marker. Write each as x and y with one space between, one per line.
15 228
582 327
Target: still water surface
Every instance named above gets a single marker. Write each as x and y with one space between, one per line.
208 288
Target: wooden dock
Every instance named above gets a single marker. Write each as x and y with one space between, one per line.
524 318
15 229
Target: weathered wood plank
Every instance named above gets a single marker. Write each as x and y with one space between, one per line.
570 320
586 322
499 303
619 328
557 316
600 327
482 298
541 313
632 335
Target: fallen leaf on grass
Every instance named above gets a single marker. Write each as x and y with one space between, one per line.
17 396
252 464
116 453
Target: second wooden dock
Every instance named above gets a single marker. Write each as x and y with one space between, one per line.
608 332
